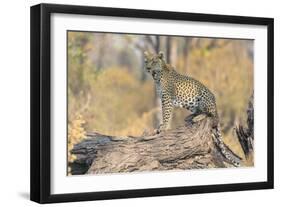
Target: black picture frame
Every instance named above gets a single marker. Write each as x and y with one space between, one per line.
41 102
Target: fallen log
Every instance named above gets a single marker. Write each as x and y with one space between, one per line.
188 147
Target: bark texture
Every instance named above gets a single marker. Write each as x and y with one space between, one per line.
187 147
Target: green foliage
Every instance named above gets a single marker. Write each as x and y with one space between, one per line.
79 65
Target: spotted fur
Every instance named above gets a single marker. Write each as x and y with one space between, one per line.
176 90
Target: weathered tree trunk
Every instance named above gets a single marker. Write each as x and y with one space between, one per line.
186 47
246 134
187 147
168 49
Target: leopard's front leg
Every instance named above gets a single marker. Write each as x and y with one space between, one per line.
167 108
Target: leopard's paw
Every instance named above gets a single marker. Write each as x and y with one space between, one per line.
161 128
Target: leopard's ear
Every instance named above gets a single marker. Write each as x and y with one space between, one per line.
146 54
161 55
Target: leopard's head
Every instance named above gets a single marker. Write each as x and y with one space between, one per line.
154 64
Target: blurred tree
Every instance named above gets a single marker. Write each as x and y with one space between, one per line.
78 49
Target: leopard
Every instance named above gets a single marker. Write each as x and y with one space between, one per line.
177 90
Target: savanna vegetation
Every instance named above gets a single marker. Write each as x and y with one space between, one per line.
109 91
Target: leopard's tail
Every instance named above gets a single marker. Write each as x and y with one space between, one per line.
227 153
